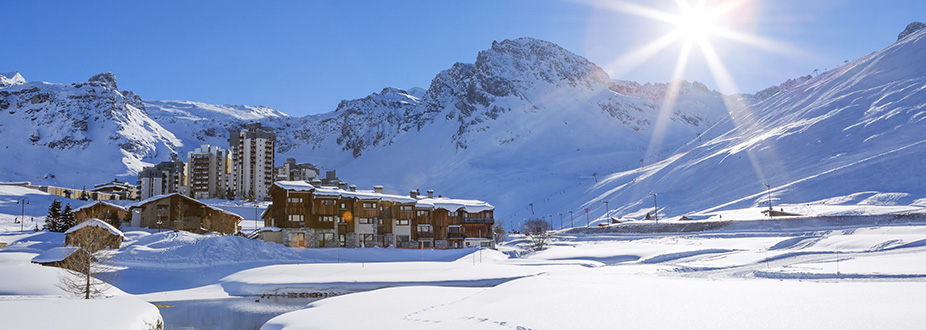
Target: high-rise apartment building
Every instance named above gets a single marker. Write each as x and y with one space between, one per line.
163 178
252 152
207 171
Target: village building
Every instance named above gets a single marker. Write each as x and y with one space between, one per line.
252 153
163 178
318 216
208 169
60 257
291 171
104 235
178 212
101 210
123 189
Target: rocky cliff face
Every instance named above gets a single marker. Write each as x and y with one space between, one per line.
911 28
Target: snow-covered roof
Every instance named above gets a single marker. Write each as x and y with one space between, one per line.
88 205
338 192
294 185
158 197
451 204
54 254
95 223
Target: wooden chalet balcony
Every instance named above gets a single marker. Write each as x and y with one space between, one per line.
425 234
479 220
455 236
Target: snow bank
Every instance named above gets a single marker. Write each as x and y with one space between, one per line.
116 313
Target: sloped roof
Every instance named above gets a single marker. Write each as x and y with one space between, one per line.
88 205
159 197
294 185
55 254
95 223
452 204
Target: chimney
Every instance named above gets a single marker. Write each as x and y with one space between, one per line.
378 189
413 193
353 187
430 193
342 185
316 182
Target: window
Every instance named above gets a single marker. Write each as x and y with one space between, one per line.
367 237
422 213
343 206
296 218
369 205
327 237
327 202
455 229
405 208
452 214
328 218
295 199
424 228
401 222
365 220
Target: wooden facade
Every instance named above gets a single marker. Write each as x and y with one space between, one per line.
368 218
178 212
101 210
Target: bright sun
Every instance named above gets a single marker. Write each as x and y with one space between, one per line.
694 24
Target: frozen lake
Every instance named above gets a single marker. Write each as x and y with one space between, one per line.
230 313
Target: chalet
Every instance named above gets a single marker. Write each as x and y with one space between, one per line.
104 235
177 212
101 210
60 257
311 216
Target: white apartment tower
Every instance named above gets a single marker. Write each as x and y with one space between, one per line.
163 178
252 153
207 171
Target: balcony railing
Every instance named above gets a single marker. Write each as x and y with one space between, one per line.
455 236
479 220
425 234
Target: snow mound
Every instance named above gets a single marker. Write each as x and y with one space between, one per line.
186 249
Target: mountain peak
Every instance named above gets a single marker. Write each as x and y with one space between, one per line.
107 78
911 28
11 79
526 58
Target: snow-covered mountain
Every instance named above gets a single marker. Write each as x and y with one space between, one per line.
530 127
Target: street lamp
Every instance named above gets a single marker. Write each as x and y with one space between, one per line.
560 220
655 209
607 215
769 189
571 224
22 216
159 224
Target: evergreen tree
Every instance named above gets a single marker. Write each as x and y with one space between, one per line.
67 218
229 194
53 220
114 220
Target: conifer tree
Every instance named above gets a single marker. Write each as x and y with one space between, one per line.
67 218
53 220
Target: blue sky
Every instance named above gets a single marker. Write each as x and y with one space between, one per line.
303 57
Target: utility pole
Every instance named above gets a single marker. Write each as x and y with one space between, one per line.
560 220
655 208
586 217
22 216
571 224
769 189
